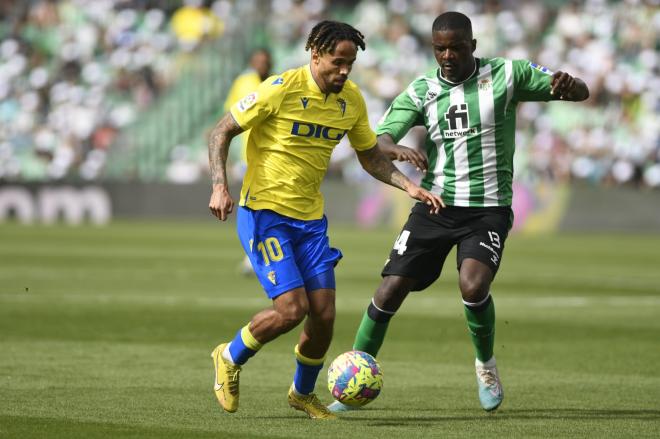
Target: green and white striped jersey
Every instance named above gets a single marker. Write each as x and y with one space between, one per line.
471 127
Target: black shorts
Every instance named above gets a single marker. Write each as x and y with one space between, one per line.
426 239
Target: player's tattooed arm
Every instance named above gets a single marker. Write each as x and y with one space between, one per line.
221 203
376 163
219 140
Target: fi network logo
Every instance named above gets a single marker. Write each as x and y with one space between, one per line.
458 120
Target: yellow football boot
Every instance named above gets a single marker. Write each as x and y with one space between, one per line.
309 404
225 385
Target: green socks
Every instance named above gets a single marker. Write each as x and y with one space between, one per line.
480 320
371 333
481 323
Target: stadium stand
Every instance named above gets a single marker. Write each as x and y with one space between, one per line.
101 90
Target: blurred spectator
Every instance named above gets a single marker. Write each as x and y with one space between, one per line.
258 70
72 74
194 22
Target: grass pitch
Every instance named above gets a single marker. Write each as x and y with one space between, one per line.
106 332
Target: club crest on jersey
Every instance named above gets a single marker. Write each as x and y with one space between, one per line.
342 105
540 68
458 120
304 101
271 277
485 84
247 101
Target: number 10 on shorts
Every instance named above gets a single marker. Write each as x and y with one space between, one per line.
270 250
400 243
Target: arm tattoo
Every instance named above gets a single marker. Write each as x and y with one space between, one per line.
219 140
380 167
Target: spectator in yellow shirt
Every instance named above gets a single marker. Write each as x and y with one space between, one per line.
247 82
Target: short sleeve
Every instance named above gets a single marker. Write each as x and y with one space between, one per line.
531 82
361 136
258 105
404 112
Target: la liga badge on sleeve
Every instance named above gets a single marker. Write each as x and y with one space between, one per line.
247 101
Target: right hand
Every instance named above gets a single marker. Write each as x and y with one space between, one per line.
221 203
412 156
426 197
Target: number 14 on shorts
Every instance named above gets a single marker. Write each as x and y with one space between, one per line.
400 243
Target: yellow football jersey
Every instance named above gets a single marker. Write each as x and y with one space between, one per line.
294 128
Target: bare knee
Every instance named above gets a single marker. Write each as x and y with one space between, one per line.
325 317
473 290
474 280
392 291
291 311
474 285
293 316
322 310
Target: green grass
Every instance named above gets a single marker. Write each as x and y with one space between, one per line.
106 332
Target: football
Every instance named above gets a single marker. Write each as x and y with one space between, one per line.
355 378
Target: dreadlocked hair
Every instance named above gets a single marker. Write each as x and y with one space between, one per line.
325 35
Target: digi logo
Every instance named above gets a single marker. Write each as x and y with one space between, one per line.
306 129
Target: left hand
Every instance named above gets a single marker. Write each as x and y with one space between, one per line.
426 197
562 85
412 156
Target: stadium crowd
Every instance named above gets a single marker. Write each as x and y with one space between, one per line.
74 73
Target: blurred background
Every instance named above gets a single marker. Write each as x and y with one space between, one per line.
105 106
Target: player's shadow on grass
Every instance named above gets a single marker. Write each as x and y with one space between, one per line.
507 414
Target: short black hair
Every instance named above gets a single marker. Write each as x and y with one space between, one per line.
454 21
325 35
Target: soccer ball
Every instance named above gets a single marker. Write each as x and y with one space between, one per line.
355 378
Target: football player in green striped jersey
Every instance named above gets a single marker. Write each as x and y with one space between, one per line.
468 106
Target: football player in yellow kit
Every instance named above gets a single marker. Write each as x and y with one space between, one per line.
296 119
